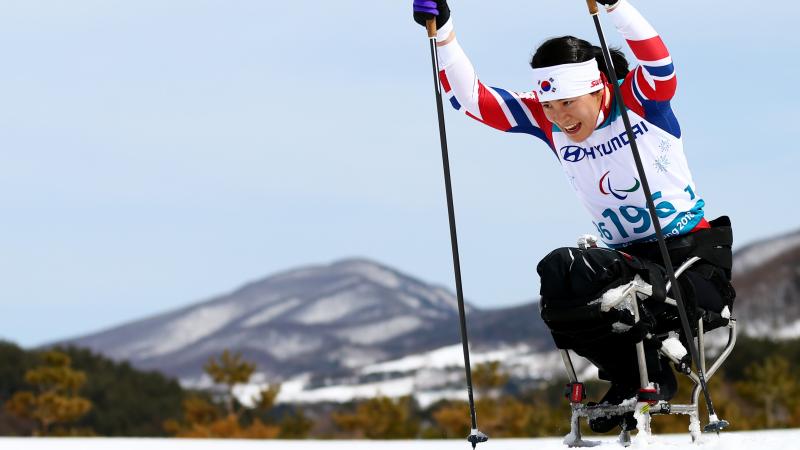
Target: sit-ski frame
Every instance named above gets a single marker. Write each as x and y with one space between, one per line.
645 402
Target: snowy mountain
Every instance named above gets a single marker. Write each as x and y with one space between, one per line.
356 328
325 320
766 276
762 253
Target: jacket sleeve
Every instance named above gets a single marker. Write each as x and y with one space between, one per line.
499 108
653 79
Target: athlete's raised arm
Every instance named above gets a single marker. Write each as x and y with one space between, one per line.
499 108
654 78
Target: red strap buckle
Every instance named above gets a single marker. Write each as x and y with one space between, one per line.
649 395
576 392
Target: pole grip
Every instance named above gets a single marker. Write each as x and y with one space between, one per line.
592 4
430 25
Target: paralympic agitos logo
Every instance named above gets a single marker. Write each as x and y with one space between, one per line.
576 153
607 189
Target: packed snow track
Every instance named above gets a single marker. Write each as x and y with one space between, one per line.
776 439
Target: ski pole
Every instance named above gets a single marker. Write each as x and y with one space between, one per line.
715 424
475 436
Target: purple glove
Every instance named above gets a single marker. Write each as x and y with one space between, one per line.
426 6
425 10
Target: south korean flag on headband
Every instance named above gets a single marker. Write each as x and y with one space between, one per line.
567 80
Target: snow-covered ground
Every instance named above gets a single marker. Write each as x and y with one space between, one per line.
764 440
429 377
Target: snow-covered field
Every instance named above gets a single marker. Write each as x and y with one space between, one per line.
763 440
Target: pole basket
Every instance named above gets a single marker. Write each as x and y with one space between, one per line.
716 426
476 437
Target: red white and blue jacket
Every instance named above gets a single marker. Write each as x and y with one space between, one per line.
601 169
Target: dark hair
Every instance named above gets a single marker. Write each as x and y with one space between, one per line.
569 49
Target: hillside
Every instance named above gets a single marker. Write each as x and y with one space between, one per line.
356 327
767 281
326 320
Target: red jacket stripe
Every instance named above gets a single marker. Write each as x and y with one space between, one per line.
491 111
629 97
652 49
663 90
445 82
538 115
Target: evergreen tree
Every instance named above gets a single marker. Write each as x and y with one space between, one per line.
771 384
381 418
205 419
54 398
295 425
229 370
125 401
488 379
452 418
14 361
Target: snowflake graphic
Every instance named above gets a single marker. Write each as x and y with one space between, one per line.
664 146
661 164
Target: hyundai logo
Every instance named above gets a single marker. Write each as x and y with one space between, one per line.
573 153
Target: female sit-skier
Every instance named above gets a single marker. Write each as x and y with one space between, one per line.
571 107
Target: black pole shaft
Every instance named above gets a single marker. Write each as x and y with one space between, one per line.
453 236
662 245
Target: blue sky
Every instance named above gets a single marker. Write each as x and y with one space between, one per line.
158 153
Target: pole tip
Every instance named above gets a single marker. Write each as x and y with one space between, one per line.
476 436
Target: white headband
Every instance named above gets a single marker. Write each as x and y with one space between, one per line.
567 80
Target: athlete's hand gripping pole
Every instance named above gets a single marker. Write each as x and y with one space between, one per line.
475 436
715 424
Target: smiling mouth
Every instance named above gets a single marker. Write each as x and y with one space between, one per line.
573 128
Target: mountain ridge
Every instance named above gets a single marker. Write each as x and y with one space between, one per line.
331 319
327 317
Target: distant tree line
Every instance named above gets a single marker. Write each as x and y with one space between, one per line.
70 391
121 400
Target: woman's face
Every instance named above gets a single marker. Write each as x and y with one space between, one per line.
577 116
